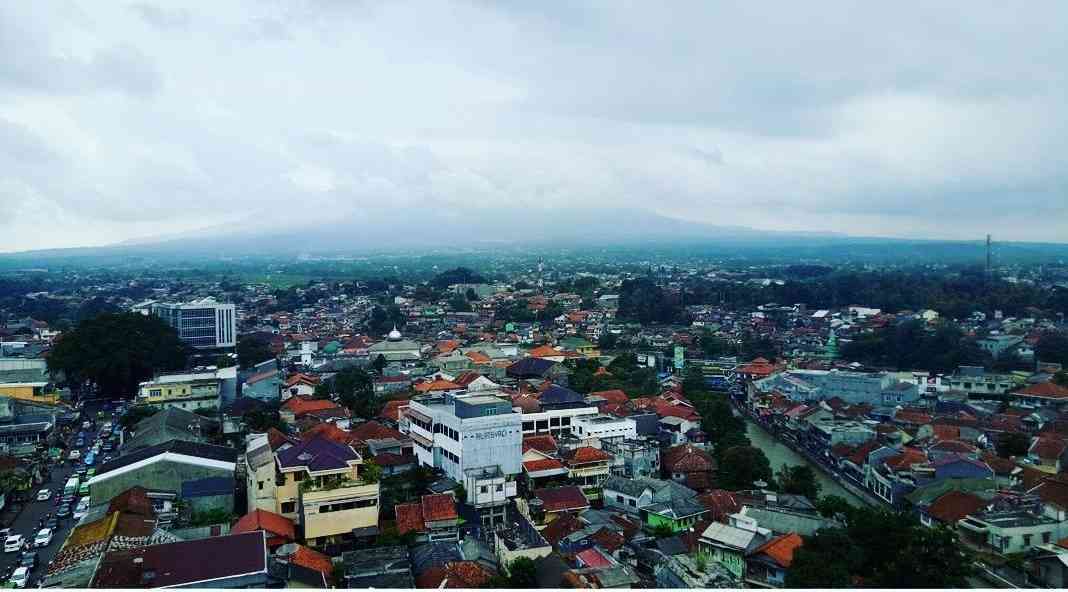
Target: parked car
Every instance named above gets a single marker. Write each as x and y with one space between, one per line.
43 538
75 454
44 495
14 543
21 577
52 523
63 511
28 560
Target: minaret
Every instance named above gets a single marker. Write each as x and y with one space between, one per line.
830 351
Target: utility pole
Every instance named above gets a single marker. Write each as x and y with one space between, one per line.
988 255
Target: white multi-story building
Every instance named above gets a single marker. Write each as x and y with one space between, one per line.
203 324
476 440
555 421
604 427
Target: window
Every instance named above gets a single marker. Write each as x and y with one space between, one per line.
619 499
483 489
554 421
298 476
500 488
632 503
289 507
1027 540
259 485
528 425
1045 537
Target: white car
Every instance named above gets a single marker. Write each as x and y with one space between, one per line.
13 543
21 577
44 495
43 538
75 454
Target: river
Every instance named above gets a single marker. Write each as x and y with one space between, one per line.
779 454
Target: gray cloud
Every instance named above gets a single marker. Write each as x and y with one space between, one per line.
905 120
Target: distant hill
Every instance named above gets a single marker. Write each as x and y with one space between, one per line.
413 229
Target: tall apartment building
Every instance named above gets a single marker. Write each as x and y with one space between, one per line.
203 324
476 440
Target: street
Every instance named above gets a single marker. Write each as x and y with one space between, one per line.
26 523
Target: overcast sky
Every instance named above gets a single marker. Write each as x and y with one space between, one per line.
121 120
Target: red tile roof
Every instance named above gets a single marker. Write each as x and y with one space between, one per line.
269 522
612 396
955 446
687 458
439 506
311 559
300 378
912 417
392 409
439 384
781 549
477 357
721 503
540 442
564 525
1047 448
276 438
467 377
1045 390
409 517
609 540
1053 490
542 464
330 432
585 455
907 458
559 499
372 430
455 574
955 505
301 405
945 432
593 558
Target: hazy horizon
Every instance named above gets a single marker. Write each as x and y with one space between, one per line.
130 120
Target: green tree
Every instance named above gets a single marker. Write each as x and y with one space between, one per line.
1010 444
263 420
522 573
741 466
826 560
930 558
459 275
1052 347
830 506
355 391
459 303
1061 378
370 472
252 350
379 363
798 480
134 416
116 352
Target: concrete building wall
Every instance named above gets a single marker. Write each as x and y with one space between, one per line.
163 475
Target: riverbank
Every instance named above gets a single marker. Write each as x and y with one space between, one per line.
780 452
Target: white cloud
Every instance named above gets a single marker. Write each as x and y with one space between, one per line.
844 117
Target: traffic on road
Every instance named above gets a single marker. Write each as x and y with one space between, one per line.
46 518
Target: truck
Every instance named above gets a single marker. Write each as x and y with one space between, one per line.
72 486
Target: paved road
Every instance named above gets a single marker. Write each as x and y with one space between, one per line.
27 521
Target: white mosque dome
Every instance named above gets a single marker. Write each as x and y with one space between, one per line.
394 335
